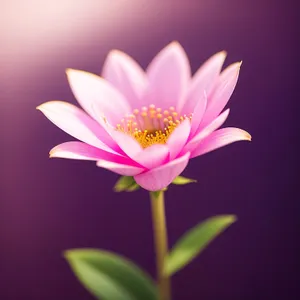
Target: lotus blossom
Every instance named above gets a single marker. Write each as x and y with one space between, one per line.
147 124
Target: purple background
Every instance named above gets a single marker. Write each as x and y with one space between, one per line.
48 206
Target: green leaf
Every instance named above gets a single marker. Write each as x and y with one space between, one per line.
180 180
109 276
127 184
195 241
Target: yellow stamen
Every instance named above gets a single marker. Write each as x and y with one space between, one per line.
151 125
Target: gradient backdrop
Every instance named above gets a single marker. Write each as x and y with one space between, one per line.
48 206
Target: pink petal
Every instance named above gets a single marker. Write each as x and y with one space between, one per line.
214 125
168 75
93 91
198 114
203 80
149 157
222 92
178 138
153 156
79 150
77 123
122 169
127 143
126 76
220 138
160 177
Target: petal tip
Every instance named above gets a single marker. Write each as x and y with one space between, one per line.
41 107
176 46
46 105
115 52
52 153
175 43
226 112
223 54
233 68
248 136
116 56
220 57
69 71
72 72
237 66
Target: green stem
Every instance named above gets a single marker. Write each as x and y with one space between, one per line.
161 242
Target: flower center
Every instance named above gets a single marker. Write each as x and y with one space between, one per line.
151 125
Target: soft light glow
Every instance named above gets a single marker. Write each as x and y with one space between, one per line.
51 21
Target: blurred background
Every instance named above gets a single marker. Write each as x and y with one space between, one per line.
48 206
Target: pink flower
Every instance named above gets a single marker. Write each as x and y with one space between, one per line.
147 124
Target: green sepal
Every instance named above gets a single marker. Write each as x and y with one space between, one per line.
109 276
156 194
126 184
133 188
180 180
194 241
